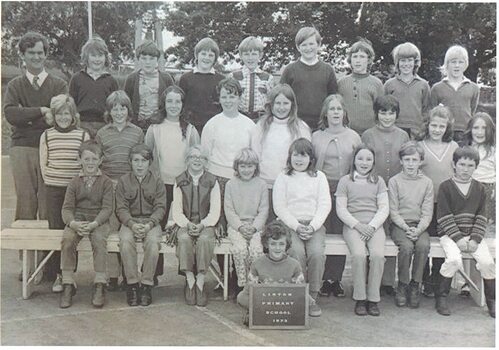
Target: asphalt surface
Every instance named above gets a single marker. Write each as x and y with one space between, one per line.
168 321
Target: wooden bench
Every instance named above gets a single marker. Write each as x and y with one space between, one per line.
31 235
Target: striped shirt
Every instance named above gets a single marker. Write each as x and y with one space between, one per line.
116 146
59 155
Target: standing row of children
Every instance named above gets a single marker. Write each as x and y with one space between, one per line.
184 111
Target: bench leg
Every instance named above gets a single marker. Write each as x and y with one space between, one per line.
226 277
28 257
477 295
40 266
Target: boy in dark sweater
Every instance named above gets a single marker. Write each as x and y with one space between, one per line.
86 210
140 207
200 85
311 79
26 107
461 226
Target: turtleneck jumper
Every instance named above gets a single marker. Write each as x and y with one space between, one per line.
273 151
386 144
359 91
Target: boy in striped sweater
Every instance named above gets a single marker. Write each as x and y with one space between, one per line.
461 226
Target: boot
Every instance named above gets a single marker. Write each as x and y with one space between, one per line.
132 294
98 295
68 291
490 295
414 291
441 293
145 295
401 294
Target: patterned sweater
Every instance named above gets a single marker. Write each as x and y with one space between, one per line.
461 215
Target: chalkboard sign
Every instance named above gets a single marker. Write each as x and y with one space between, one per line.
278 306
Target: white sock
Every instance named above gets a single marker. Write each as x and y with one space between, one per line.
190 279
200 280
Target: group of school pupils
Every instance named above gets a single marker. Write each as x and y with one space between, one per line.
236 157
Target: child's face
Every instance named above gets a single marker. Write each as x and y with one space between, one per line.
308 49
246 171
437 128
281 107
406 65
173 104
149 64
34 58
456 67
386 119
478 131
335 113
90 162
140 165
251 59
364 161
96 61
411 163
228 101
277 248
119 114
464 168
359 61
205 60
64 118
299 161
196 162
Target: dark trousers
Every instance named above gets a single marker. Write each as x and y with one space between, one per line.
428 275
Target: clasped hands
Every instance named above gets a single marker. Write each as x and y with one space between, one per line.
140 230
467 245
304 232
194 230
366 231
247 231
83 228
412 234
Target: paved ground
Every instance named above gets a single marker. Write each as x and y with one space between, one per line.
168 321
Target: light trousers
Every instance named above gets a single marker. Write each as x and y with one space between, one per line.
244 252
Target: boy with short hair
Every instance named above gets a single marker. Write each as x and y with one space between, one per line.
200 85
256 83
360 89
311 79
455 90
140 207
461 226
412 91
92 85
86 210
146 85
411 209
26 105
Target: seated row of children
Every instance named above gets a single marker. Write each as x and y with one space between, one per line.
302 203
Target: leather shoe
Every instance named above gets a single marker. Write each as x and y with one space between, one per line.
360 308
68 291
372 308
98 295
132 294
145 295
201 296
190 294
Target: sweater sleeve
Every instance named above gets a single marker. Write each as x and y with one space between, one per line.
149 141
233 219
279 195
426 208
263 208
393 195
122 205
426 104
383 207
107 203
177 208
128 87
194 138
332 84
434 98
323 202
480 222
474 99
215 206
15 113
445 217
286 76
69 205
342 205
43 154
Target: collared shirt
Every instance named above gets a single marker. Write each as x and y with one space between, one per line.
465 80
89 180
261 89
41 77
196 70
